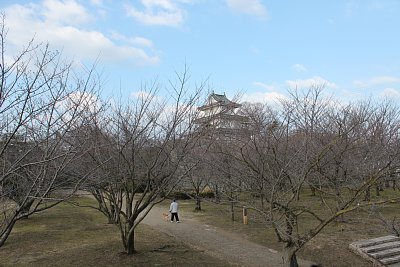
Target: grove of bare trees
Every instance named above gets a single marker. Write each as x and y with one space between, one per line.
138 150
43 102
57 136
313 143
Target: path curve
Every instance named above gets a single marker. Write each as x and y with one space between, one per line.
216 242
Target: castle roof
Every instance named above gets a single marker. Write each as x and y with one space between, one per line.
219 100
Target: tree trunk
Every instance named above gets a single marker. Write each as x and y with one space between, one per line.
111 217
232 210
24 209
367 196
217 198
377 190
198 204
130 244
262 200
312 191
298 195
289 256
7 231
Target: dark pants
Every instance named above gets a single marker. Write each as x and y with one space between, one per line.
174 215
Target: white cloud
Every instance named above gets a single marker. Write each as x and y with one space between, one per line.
84 100
98 45
299 68
263 97
251 7
390 93
96 2
139 41
263 85
61 23
158 12
308 83
64 12
376 81
81 101
141 94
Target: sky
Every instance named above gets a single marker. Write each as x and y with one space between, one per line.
257 48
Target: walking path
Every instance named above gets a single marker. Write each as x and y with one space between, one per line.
216 242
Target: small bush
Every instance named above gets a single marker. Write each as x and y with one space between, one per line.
179 195
190 195
207 194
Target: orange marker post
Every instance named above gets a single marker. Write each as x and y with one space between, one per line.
244 215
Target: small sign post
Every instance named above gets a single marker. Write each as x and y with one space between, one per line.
244 215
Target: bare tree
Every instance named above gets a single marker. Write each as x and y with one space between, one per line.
312 142
197 178
41 101
392 225
227 174
146 143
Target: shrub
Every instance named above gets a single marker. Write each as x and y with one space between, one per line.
179 195
207 194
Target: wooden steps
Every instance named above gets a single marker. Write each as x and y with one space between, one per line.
382 251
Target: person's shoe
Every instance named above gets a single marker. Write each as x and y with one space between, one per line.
177 221
172 221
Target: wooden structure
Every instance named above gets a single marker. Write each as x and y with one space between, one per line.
222 116
381 251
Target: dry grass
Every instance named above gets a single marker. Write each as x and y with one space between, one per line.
70 236
329 248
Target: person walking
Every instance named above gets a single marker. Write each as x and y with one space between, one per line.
173 209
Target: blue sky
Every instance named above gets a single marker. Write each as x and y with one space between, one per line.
259 48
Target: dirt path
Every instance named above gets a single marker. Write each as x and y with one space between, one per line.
216 242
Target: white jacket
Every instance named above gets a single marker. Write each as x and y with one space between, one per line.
173 208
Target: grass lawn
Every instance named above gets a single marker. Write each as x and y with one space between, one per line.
329 248
67 235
